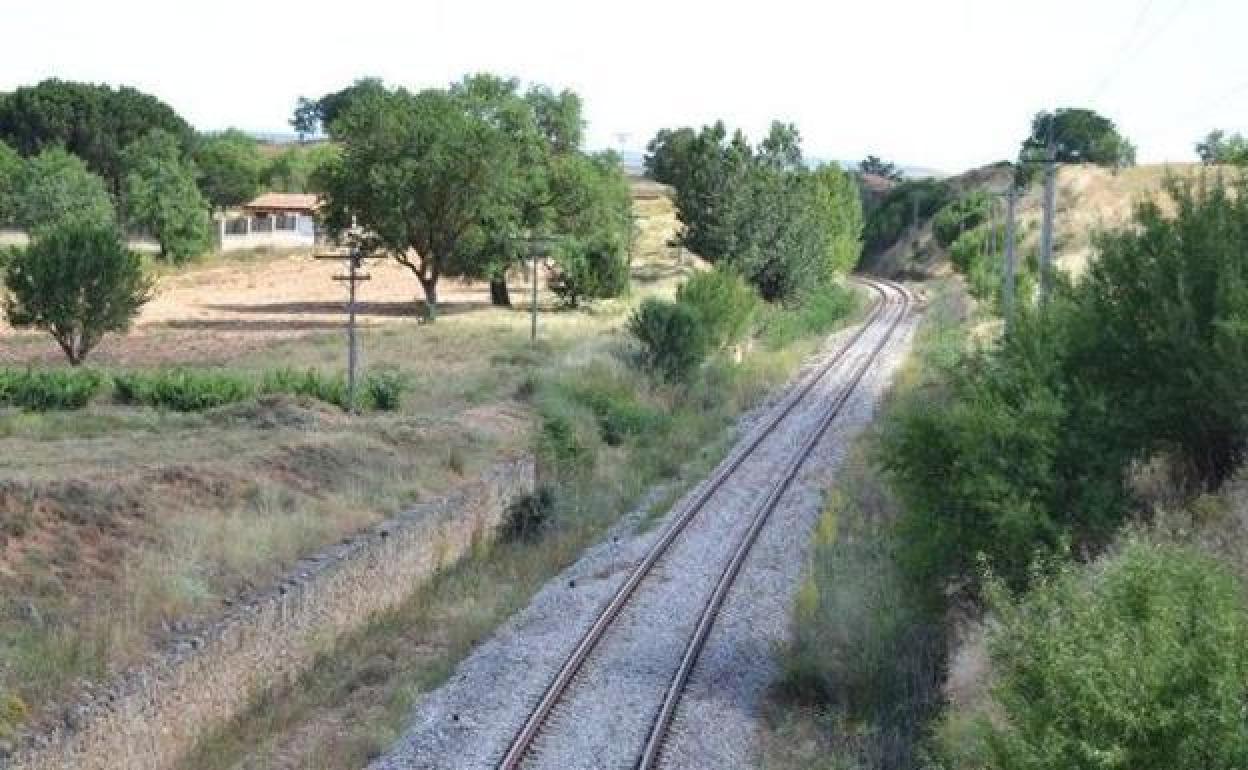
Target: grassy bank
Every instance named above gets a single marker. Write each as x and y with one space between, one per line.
608 434
862 675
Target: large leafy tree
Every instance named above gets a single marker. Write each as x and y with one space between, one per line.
94 122
78 281
1080 136
312 117
418 172
231 168
294 168
162 198
54 187
593 207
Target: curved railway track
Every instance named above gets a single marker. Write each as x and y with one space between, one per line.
860 351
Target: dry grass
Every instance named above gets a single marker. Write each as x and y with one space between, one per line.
119 524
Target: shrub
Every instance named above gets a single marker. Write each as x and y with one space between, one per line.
183 390
310 383
527 517
78 281
615 403
40 391
724 302
1134 663
963 214
815 313
384 392
889 221
672 337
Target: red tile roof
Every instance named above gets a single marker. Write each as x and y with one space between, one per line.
286 202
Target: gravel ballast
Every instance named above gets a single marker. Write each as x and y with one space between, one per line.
603 721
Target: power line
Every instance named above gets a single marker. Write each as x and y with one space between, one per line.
1144 46
1122 50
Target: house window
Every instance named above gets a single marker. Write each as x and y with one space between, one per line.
286 222
236 226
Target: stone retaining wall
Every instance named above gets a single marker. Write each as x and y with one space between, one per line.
152 716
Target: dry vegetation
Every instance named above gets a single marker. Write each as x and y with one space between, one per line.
120 525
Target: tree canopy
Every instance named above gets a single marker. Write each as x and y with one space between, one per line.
10 172
54 187
1218 147
1080 136
231 168
78 281
162 198
878 167
313 117
94 122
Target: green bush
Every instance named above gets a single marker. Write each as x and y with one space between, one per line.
672 337
1005 459
384 392
814 313
183 390
963 214
889 221
527 517
1135 663
54 389
616 404
725 304
309 383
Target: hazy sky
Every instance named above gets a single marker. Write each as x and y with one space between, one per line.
941 83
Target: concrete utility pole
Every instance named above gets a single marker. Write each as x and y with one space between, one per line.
1007 288
1050 198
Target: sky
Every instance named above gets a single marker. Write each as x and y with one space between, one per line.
945 84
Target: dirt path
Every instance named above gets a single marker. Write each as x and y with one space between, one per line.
469 722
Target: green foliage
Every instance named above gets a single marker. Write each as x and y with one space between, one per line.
672 337
78 281
1163 313
614 402
183 390
1135 663
527 517
94 122
594 214
55 188
41 391
163 199
312 117
726 305
10 172
961 215
895 213
759 209
295 168
1080 136
191 390
1217 147
813 313
230 168
877 167
1010 459
980 258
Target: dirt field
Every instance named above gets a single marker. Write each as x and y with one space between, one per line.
118 523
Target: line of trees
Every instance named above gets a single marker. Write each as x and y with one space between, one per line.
760 208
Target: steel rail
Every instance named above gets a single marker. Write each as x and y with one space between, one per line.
657 736
523 741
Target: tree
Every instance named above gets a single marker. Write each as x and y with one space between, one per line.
94 122
418 171
78 281
877 167
230 168
55 187
667 156
162 198
1080 136
315 117
294 168
1217 147
10 173
593 216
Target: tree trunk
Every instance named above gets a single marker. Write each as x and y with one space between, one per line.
430 285
499 294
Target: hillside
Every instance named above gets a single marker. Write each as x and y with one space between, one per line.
1090 199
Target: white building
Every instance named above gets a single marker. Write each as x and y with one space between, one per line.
273 220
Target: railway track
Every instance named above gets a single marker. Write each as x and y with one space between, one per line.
566 727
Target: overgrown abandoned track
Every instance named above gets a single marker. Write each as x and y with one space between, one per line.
612 701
